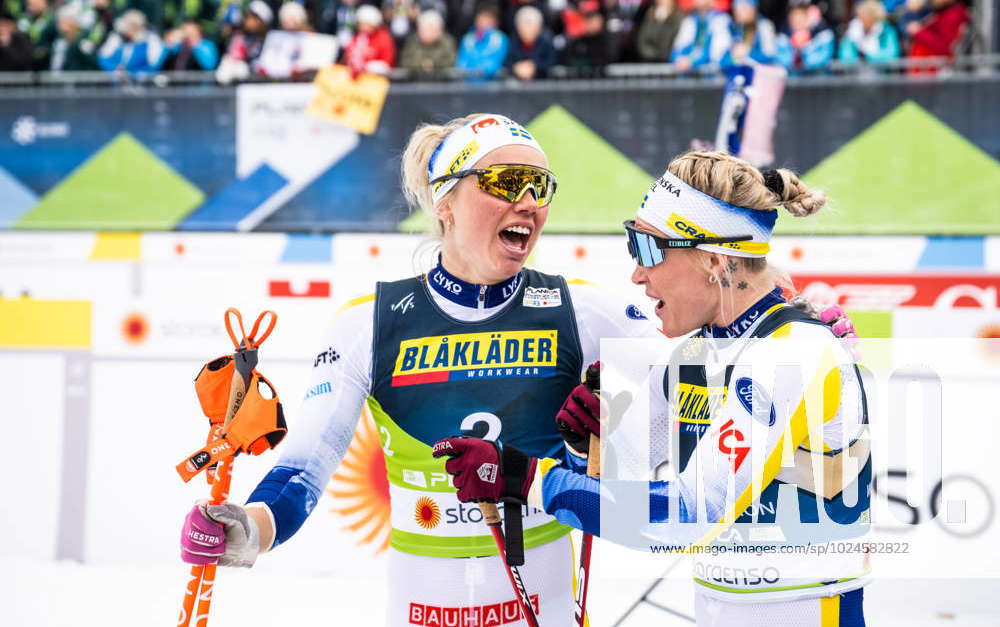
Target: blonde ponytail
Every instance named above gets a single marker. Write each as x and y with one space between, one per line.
416 159
796 197
733 180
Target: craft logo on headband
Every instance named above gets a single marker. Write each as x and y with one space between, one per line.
673 206
469 143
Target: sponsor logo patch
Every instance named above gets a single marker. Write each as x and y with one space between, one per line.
487 472
729 439
427 513
635 313
405 304
497 354
326 357
754 400
318 390
470 149
542 297
481 124
493 615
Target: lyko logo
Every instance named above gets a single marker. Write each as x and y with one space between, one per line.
754 400
447 284
729 438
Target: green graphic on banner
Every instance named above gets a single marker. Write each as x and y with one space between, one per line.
872 324
909 173
123 186
599 187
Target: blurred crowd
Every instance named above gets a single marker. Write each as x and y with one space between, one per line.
475 40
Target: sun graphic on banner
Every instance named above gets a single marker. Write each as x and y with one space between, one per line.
427 513
361 488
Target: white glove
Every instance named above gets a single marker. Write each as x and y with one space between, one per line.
242 534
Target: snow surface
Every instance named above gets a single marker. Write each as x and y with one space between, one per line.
40 593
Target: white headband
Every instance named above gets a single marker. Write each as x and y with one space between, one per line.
468 143
673 206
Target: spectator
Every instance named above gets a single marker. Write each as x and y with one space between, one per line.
912 11
658 31
592 51
15 46
460 16
188 50
622 17
938 34
72 52
40 25
430 49
703 38
372 48
869 37
132 48
97 21
400 16
532 52
245 47
806 42
345 21
292 17
206 13
483 49
752 37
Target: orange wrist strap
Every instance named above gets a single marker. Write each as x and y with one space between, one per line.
259 425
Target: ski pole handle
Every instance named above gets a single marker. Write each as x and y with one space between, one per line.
491 515
592 379
594 457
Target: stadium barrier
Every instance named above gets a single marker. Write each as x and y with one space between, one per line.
897 154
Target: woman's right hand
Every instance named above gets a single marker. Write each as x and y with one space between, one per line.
222 534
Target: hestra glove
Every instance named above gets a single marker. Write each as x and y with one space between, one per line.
485 471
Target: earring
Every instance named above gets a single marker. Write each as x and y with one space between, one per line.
712 279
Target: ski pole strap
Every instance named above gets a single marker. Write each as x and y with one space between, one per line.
212 386
249 341
513 532
210 454
515 467
259 425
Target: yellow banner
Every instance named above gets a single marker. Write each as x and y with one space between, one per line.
352 102
30 323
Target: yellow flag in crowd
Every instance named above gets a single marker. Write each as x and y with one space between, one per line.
352 102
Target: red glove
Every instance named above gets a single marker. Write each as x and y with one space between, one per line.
580 413
486 472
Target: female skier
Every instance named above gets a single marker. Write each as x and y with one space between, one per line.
722 414
478 344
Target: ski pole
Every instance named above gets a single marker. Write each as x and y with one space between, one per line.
592 381
202 577
491 516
